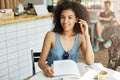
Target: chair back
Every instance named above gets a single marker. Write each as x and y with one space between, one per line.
35 57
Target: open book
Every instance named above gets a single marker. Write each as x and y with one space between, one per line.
70 70
66 68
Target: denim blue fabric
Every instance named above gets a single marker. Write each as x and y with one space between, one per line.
56 53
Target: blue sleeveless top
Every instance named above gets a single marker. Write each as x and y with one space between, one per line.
56 53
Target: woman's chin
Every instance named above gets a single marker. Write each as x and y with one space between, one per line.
66 30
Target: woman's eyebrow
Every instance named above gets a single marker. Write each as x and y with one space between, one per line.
67 15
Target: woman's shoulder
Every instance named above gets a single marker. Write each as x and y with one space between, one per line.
81 38
50 34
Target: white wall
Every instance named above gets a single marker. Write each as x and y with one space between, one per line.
16 41
117 9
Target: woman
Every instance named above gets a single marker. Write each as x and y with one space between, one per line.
68 36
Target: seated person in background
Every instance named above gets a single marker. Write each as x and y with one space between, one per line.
68 36
105 18
79 1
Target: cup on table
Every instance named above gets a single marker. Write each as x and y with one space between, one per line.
102 75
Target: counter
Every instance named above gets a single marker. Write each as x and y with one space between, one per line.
24 17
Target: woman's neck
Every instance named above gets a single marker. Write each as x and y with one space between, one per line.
68 33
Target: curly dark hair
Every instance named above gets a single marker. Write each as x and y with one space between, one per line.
79 10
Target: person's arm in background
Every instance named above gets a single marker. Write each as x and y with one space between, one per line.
110 18
106 19
48 71
86 46
116 19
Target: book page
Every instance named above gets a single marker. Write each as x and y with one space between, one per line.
66 68
40 76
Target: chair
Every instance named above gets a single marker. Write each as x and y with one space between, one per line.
35 57
114 50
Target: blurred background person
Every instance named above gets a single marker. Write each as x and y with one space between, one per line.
105 19
79 1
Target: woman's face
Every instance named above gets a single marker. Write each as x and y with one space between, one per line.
68 19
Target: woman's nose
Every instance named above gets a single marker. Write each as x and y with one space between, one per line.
65 20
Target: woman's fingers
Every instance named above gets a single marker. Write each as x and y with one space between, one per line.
82 22
83 25
48 71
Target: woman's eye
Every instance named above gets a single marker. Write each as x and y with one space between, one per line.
62 17
69 17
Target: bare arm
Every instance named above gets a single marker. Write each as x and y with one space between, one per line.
86 47
44 54
106 19
87 51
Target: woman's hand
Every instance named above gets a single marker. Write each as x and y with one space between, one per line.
84 26
48 71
